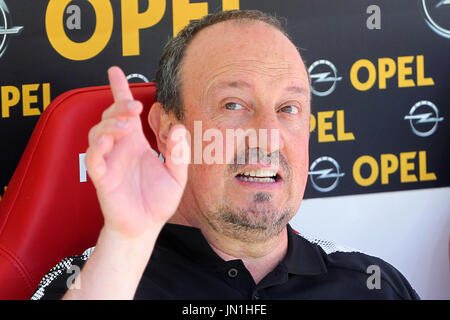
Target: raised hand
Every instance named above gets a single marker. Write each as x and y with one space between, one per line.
136 191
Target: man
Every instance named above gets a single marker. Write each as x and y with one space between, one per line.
218 230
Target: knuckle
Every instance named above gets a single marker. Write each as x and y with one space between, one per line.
108 111
124 106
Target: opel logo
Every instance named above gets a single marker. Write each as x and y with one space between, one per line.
424 118
6 28
137 76
437 16
323 81
324 174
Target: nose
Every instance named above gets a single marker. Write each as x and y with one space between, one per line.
270 133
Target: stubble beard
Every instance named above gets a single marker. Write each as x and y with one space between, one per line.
258 224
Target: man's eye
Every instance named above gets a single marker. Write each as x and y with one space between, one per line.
290 109
233 106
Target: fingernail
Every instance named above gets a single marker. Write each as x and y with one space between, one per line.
132 105
121 124
101 140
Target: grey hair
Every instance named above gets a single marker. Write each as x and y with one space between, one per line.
168 83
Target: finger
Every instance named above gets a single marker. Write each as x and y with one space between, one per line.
111 127
179 153
95 158
123 109
119 84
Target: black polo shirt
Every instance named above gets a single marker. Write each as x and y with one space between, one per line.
184 266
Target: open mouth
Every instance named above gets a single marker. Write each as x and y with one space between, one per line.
259 175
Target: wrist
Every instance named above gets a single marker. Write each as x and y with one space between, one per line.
125 250
115 267
118 238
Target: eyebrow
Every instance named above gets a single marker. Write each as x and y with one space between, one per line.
234 84
295 89
243 84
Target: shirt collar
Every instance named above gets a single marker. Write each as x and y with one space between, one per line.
190 242
302 257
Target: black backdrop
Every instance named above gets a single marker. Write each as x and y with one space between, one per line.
392 135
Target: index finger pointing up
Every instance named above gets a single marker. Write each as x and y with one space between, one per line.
119 84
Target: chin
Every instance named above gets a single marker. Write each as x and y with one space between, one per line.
251 224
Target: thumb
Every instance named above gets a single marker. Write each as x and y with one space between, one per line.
179 153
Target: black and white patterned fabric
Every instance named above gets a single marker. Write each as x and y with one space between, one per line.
328 246
61 270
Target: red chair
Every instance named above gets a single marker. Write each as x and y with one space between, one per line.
48 212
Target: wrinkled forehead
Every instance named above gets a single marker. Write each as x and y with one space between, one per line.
237 47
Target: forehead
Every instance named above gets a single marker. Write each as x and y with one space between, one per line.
240 50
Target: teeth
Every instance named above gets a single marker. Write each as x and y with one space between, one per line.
260 173
256 179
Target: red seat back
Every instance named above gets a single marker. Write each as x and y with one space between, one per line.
46 213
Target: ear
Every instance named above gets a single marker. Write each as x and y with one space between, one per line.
160 122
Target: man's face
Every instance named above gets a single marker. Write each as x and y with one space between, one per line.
249 76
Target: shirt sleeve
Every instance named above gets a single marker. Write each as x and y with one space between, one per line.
404 289
56 282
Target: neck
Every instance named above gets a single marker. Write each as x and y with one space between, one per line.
259 258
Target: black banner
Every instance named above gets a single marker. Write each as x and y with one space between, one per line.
379 72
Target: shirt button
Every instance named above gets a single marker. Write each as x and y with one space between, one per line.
255 297
232 272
